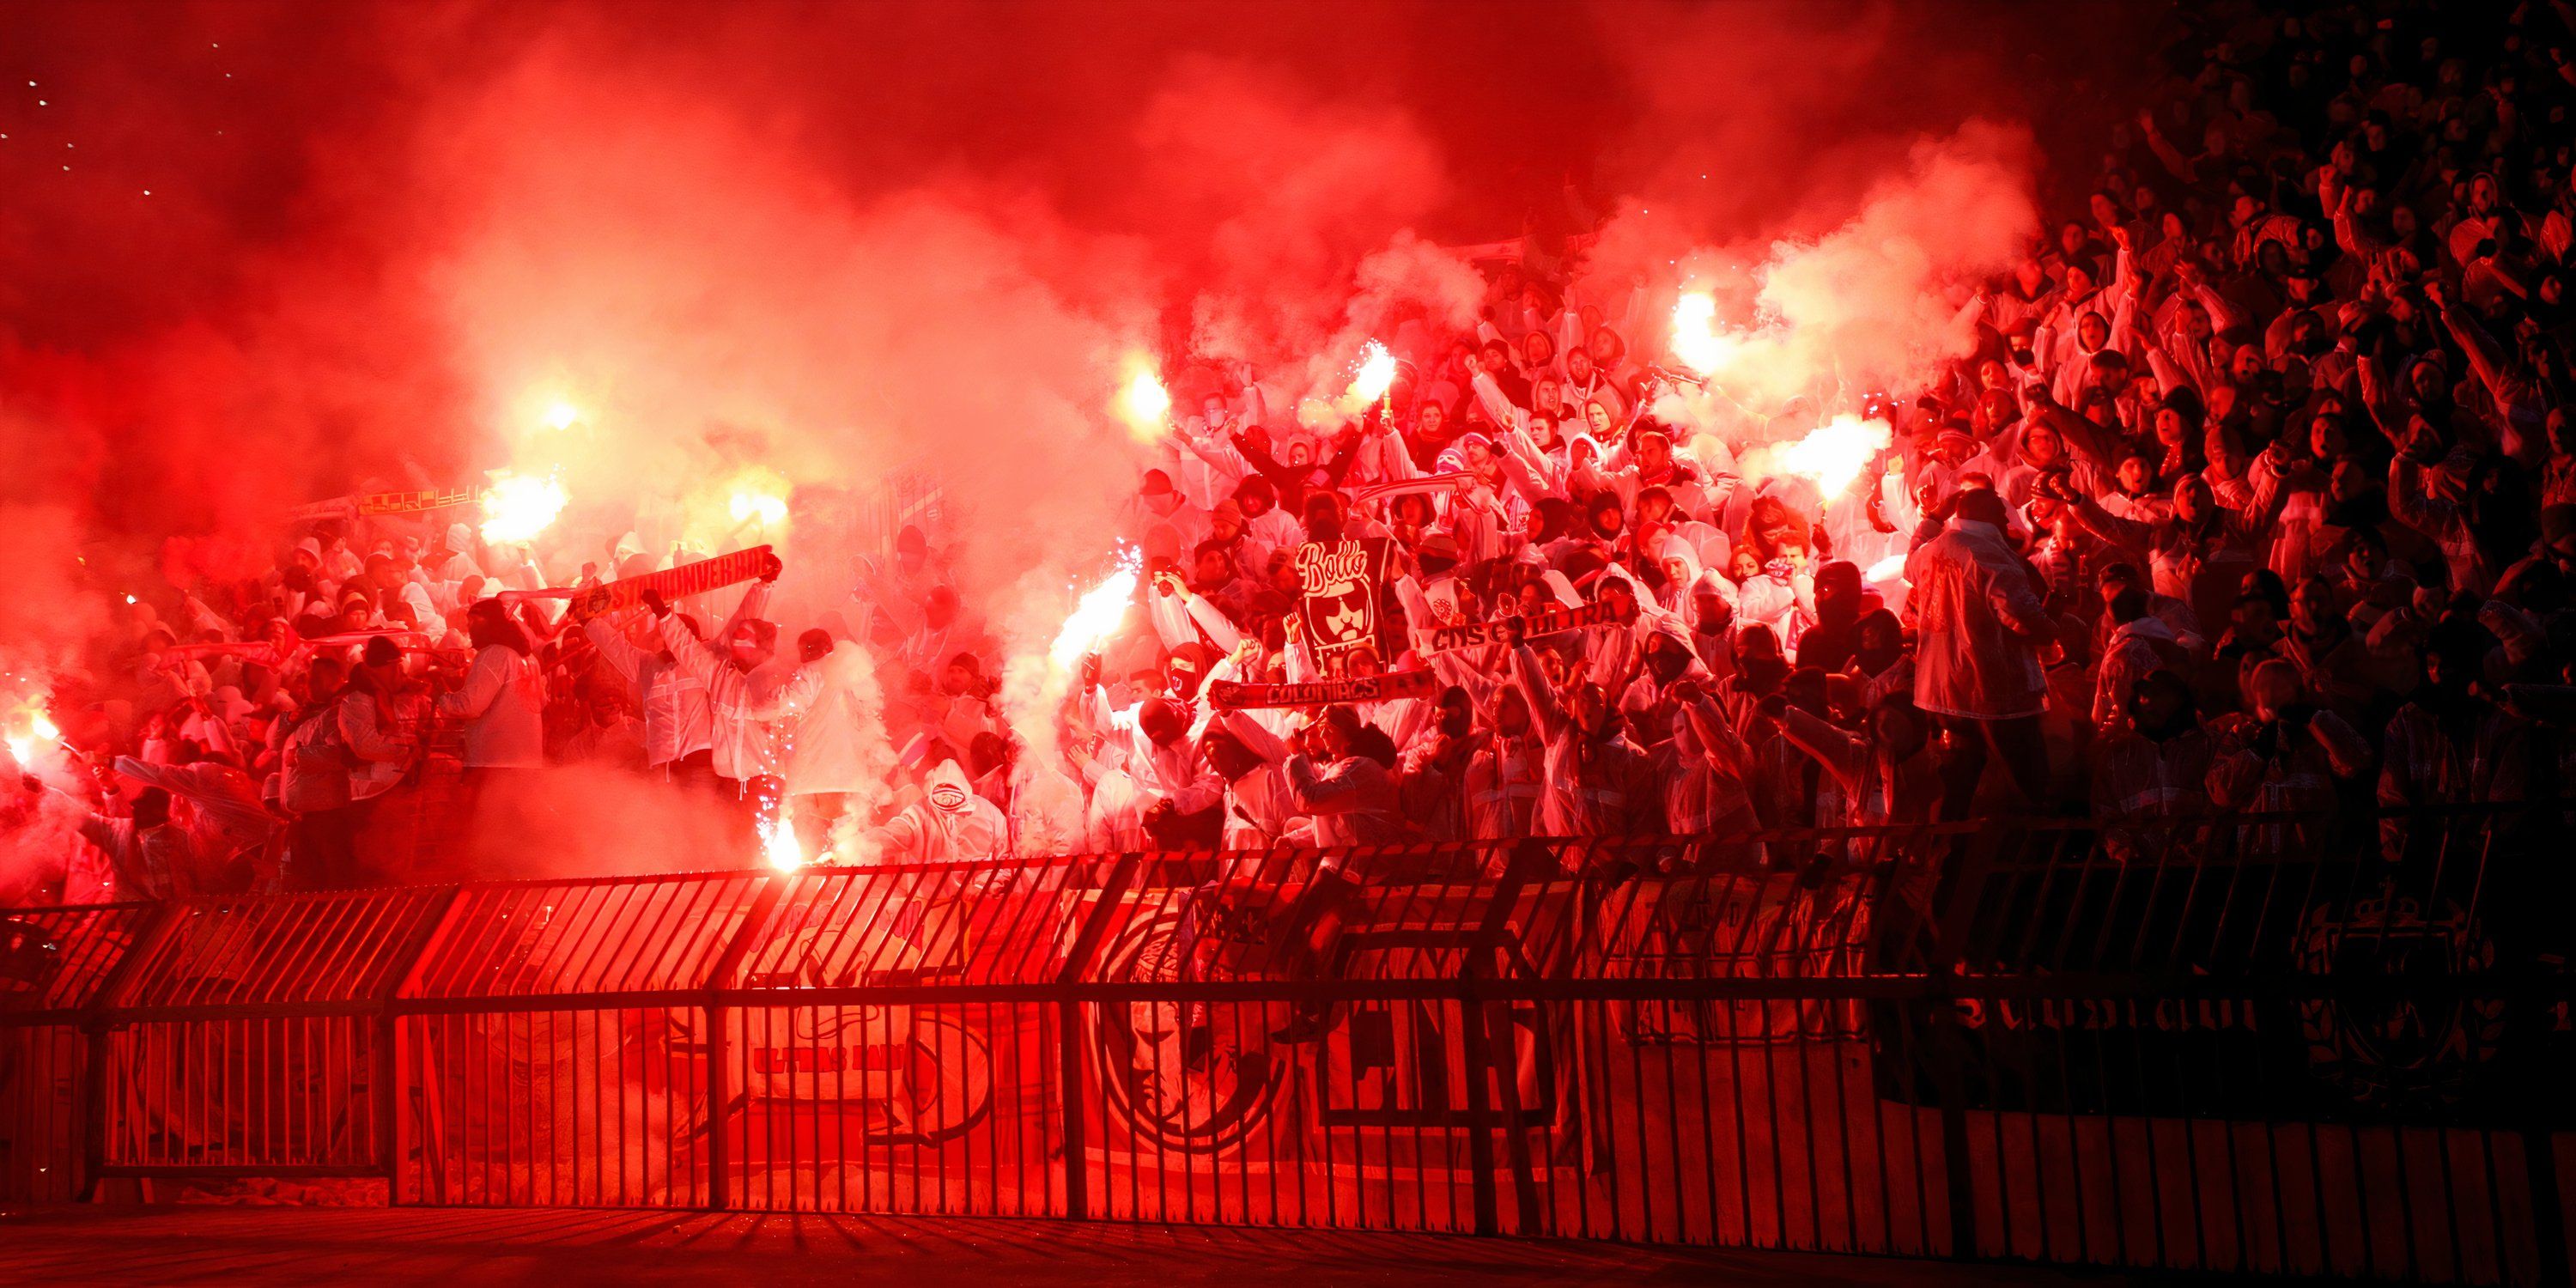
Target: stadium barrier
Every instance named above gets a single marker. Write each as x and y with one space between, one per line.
2286 1044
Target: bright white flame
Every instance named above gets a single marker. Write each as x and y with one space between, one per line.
766 508
1144 404
518 507
39 734
1376 375
1696 339
562 415
1834 454
780 846
1102 608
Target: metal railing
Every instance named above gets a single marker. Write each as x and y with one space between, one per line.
2272 1044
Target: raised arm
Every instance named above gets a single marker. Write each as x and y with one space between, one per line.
1536 691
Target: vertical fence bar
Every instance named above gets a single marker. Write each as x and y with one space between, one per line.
1071 1033
713 1014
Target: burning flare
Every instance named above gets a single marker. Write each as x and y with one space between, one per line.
1376 374
1144 403
1834 454
1101 609
517 507
752 505
779 845
30 731
562 415
1696 339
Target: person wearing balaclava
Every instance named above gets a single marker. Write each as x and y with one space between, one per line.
1886 772
1180 794
949 824
2450 745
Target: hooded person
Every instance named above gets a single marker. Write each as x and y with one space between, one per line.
949 824
835 744
1840 599
460 562
1980 622
1709 608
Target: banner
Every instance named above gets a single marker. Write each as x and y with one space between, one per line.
1512 630
1315 693
673 583
1339 609
386 503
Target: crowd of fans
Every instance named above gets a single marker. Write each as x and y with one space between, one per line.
2256 494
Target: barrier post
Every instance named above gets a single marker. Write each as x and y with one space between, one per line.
712 1013
1069 1034
94 1025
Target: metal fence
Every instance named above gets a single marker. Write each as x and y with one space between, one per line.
2272 1044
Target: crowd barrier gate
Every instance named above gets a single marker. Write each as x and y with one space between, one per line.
2266 1043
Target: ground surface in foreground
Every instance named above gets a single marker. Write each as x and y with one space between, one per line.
60 1245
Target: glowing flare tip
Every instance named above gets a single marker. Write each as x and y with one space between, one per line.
1376 374
1144 404
1835 453
517 507
780 846
40 734
765 508
562 415
1696 339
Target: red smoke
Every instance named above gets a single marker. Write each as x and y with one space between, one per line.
834 239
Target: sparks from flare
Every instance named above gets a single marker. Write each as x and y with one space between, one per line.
1102 608
516 507
1376 374
562 415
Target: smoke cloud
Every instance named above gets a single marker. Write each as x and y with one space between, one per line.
791 252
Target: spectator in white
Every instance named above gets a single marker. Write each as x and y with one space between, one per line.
679 723
503 697
341 733
1351 793
742 697
1598 782
949 824
835 749
1980 623
1180 794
